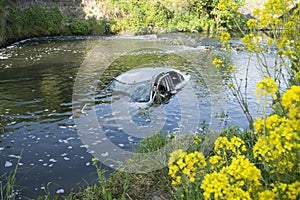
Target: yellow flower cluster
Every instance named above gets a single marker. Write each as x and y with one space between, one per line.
239 180
231 69
230 174
218 62
225 36
197 140
278 142
235 146
225 148
217 162
225 5
276 16
287 191
214 183
251 23
291 102
273 9
184 166
266 86
253 43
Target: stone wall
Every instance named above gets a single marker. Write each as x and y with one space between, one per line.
82 9
71 8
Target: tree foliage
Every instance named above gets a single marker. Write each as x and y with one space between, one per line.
144 16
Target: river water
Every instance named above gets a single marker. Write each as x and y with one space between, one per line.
49 85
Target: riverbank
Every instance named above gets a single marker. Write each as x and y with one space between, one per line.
26 19
258 163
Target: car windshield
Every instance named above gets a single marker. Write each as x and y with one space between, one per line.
139 92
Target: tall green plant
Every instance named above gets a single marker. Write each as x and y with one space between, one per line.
275 27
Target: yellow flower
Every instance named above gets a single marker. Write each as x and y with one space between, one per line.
291 97
231 69
214 183
273 122
225 36
251 23
186 171
234 146
178 179
256 12
192 179
278 144
258 125
291 102
248 41
175 155
216 161
220 143
185 165
242 169
218 62
181 164
294 190
266 86
240 179
173 169
267 195
282 191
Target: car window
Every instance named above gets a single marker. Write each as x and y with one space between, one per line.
176 77
163 86
141 93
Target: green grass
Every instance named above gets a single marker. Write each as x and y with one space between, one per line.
8 186
126 185
155 184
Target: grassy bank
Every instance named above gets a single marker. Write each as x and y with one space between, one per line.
232 169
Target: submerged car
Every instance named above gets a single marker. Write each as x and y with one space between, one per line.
148 85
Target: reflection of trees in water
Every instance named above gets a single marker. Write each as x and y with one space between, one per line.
141 58
197 63
33 88
56 87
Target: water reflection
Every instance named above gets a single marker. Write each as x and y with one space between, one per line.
36 83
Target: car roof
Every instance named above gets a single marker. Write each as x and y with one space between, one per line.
141 74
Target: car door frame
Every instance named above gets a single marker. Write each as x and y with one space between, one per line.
157 96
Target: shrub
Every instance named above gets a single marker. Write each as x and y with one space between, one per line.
77 26
171 15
